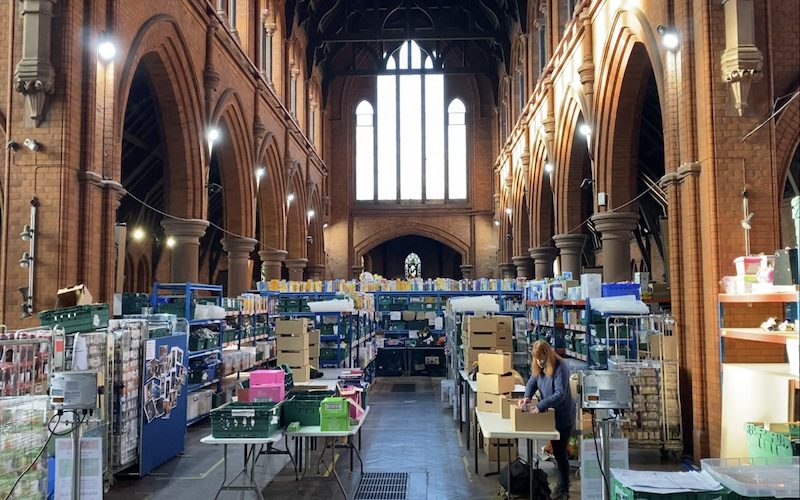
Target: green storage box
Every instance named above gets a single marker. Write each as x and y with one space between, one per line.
85 318
133 303
303 407
246 420
767 443
334 414
598 355
620 492
330 353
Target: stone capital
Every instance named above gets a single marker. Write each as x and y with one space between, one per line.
616 223
669 179
273 255
507 270
185 229
315 272
466 271
296 263
691 169
238 245
91 178
543 253
357 270
569 242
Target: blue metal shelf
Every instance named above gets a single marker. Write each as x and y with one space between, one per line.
201 385
329 338
197 419
194 354
200 322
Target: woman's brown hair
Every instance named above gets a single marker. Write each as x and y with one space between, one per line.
542 350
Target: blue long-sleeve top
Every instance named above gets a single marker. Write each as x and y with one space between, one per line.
554 393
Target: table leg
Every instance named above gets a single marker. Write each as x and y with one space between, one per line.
470 414
359 439
360 462
350 445
475 435
224 470
459 397
253 474
508 490
530 468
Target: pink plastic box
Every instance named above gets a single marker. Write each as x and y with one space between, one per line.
266 377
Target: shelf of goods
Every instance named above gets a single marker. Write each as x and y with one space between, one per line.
209 329
773 384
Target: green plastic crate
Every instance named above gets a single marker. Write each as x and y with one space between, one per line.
334 414
246 420
766 443
133 303
177 307
85 318
620 492
329 353
303 407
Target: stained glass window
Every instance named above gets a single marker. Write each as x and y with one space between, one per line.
413 266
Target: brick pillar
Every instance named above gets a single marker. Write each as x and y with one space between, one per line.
523 265
296 268
185 255
315 272
507 270
466 271
616 228
357 270
543 258
238 250
570 246
272 260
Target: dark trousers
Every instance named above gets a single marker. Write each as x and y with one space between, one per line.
562 459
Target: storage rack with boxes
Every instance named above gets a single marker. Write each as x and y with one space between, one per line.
205 340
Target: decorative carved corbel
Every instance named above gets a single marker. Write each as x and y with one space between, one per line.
34 76
741 61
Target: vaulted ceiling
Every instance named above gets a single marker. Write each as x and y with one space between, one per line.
354 37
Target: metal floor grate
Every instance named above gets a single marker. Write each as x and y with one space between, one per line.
404 387
382 486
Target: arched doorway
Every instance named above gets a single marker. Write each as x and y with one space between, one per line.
438 260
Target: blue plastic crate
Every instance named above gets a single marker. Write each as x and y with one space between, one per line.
618 289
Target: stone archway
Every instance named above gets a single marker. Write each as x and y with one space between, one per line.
272 210
296 226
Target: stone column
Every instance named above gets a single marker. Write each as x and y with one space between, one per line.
238 250
185 255
466 271
296 268
315 272
543 258
616 228
507 270
271 263
570 246
523 265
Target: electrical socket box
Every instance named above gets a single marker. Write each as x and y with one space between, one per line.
602 199
73 390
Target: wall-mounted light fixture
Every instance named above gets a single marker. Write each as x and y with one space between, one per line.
28 260
548 168
106 49
669 38
290 198
170 242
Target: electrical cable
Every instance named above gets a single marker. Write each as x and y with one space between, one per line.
774 113
50 435
597 453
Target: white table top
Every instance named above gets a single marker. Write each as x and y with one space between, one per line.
316 431
329 380
473 385
272 439
494 426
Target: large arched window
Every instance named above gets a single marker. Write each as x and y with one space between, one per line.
416 150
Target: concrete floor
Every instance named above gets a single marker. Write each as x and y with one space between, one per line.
405 432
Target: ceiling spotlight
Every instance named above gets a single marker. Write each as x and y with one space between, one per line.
290 197
170 242
585 129
325 226
310 213
212 135
496 222
26 260
27 233
508 211
106 50
260 171
669 38
138 234
548 168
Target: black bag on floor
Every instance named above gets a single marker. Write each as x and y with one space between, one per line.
520 480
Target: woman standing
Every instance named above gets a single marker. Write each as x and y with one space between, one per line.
550 376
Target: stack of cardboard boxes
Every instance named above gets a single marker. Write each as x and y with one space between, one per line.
495 384
485 335
292 337
313 349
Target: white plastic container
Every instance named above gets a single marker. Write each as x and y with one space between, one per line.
793 353
777 477
747 264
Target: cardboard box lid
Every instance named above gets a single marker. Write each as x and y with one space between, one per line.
77 295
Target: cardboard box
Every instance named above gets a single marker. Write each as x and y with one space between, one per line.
490 402
313 337
591 286
301 373
409 315
292 343
293 358
504 324
313 351
292 327
73 296
505 344
313 362
483 339
471 354
536 422
509 403
495 384
483 325
669 344
495 362
499 449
